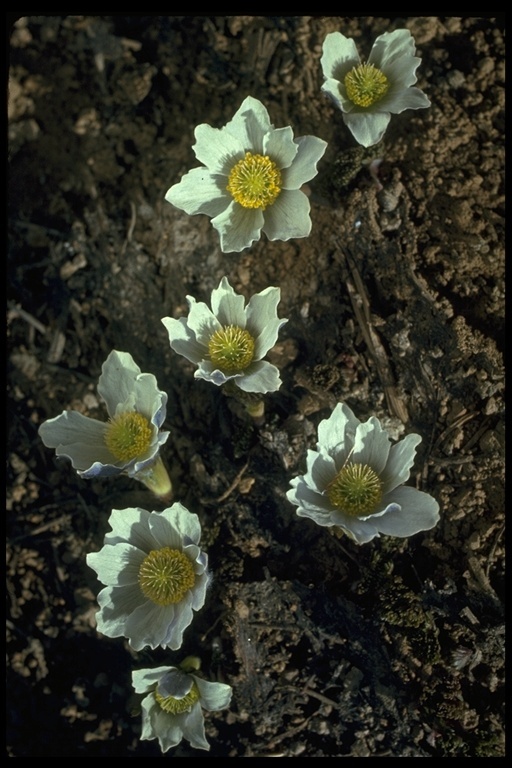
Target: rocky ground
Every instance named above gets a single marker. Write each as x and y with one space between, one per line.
396 307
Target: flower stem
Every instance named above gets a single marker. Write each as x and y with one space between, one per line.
156 478
253 403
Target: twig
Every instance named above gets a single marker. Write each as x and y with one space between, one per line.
361 306
228 490
16 311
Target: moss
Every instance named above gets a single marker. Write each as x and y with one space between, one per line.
401 609
489 744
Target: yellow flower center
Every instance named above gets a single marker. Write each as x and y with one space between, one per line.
366 84
356 490
177 706
166 575
128 435
255 181
231 348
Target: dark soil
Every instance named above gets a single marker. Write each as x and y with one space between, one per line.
396 307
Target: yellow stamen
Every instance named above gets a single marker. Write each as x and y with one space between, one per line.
255 181
365 85
166 575
177 706
356 490
128 435
231 348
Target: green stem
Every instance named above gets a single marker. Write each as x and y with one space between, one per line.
156 478
253 403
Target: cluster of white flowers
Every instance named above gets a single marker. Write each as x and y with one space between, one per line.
153 571
252 173
156 576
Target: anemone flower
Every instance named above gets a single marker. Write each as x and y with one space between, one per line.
368 94
155 576
355 481
250 178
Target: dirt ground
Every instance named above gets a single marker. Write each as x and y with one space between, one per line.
396 307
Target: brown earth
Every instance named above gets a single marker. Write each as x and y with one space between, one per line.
396 306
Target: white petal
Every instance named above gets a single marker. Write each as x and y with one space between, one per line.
192 726
201 321
250 124
400 460
194 554
385 507
238 227
280 146
150 401
124 387
117 566
361 531
303 168
391 47
267 337
163 726
98 469
175 682
151 711
262 321
199 191
115 385
316 515
116 605
261 377
367 128
288 217
321 470
143 463
130 526
163 532
336 434
337 93
144 680
371 445
227 305
183 340
407 98
183 616
70 427
198 592
80 439
214 696
207 371
218 149
149 625
401 73
419 512
339 54
185 522
311 501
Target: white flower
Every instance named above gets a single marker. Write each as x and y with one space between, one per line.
230 340
174 707
369 93
129 442
252 178
155 576
354 480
